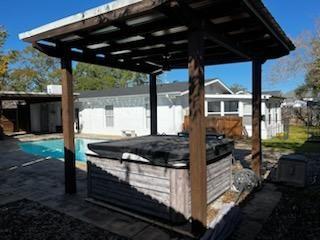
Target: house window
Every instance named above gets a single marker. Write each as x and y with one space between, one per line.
109 115
214 107
231 106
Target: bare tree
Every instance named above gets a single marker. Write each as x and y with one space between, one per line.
237 88
305 59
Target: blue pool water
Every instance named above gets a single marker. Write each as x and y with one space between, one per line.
54 148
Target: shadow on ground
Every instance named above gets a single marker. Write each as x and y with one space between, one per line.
41 180
296 217
29 220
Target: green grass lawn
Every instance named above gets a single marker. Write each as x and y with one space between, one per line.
297 141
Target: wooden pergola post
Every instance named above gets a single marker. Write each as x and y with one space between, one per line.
153 104
197 131
256 116
67 123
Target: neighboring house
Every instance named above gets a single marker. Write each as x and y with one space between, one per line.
30 111
119 111
240 105
294 103
47 116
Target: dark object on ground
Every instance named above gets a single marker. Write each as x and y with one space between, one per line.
292 170
299 170
167 151
296 217
28 220
245 180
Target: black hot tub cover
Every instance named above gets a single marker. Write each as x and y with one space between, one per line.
167 151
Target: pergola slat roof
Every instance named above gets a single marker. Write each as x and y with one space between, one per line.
151 35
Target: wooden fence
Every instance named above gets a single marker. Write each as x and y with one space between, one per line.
6 124
230 126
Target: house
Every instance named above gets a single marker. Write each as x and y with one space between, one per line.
240 105
30 111
123 111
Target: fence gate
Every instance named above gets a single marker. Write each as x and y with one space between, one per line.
231 126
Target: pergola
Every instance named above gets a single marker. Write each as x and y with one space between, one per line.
152 36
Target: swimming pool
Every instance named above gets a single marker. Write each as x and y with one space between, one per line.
54 148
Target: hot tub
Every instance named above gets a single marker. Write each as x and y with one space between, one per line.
150 174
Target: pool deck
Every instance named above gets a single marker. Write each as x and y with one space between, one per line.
37 137
38 179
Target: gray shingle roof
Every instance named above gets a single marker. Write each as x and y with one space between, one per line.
137 90
273 93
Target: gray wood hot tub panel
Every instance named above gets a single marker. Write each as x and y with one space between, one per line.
153 190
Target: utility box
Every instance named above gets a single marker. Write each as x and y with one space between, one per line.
292 170
54 89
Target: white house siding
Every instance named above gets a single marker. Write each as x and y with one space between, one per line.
245 111
267 130
130 113
264 129
169 115
273 118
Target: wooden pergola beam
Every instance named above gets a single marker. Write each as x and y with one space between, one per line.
162 51
99 21
142 65
227 43
152 40
182 63
141 30
170 50
67 124
267 24
153 104
256 117
87 57
197 132
182 13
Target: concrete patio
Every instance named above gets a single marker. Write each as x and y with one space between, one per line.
42 180
27 176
